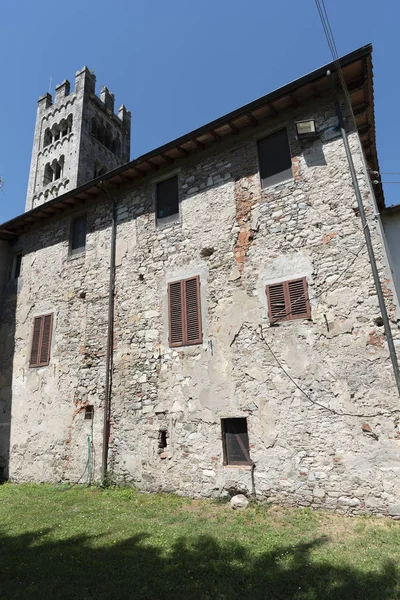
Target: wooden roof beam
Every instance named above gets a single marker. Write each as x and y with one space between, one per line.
167 159
215 135
183 151
198 143
272 109
233 128
253 121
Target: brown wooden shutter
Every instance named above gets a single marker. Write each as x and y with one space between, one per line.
288 300
47 322
37 326
41 341
175 301
192 311
184 312
298 298
276 302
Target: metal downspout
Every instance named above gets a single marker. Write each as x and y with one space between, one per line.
110 341
367 235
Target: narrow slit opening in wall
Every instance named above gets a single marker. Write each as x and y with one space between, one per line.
89 410
162 439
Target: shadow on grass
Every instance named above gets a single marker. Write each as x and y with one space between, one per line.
34 567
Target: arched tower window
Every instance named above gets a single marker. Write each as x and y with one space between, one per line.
58 167
48 138
69 124
56 132
64 128
48 174
94 126
108 137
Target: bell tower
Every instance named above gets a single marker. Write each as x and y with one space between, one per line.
78 137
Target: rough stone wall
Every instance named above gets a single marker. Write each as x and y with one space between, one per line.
307 388
81 152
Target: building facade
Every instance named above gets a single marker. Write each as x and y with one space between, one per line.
247 352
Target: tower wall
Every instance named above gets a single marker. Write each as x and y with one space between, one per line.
77 138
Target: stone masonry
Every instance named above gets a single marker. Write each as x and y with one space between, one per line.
319 395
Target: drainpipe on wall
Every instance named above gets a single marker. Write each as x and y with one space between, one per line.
371 255
110 339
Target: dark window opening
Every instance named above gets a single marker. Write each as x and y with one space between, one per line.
17 265
274 158
94 126
184 312
89 410
48 174
56 134
57 171
288 300
235 441
64 128
78 235
48 138
162 439
41 341
167 200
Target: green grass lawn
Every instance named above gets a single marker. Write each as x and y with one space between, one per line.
120 543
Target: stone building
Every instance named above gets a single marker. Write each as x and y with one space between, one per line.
203 319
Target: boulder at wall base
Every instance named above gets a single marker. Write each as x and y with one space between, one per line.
239 501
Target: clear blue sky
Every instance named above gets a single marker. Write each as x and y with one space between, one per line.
178 64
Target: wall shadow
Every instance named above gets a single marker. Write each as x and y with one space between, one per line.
79 567
8 303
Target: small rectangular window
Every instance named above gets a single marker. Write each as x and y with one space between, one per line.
167 209
288 300
274 158
41 341
16 266
235 441
78 235
89 411
184 312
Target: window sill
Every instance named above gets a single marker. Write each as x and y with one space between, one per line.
172 220
243 467
275 185
76 256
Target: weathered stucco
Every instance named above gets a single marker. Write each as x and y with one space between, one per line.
307 444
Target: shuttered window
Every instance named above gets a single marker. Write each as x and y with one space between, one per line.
288 300
235 441
41 341
274 158
184 312
78 235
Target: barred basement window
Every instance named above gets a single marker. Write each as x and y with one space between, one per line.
78 235
41 341
184 312
235 441
288 300
274 158
167 210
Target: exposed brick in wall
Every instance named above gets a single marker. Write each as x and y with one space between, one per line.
247 194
